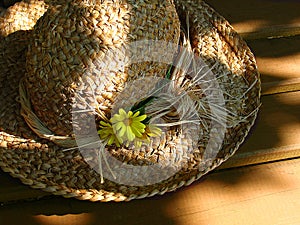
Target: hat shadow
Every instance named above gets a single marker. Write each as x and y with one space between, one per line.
55 210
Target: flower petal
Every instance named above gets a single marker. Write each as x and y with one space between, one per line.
111 140
118 126
104 124
122 130
140 118
122 113
136 114
138 125
130 134
116 118
137 132
129 115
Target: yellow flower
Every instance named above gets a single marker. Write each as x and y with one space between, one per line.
128 126
107 133
150 131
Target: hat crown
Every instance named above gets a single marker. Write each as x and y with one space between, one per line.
70 36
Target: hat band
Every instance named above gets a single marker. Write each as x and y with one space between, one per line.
36 125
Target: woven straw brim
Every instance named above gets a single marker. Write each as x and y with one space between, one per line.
43 165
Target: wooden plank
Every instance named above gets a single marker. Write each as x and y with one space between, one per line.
263 194
276 135
271 139
278 61
277 87
279 69
261 19
11 189
271 33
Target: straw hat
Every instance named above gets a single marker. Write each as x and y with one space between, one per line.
39 125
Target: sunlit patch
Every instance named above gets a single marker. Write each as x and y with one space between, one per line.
249 25
69 219
285 67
